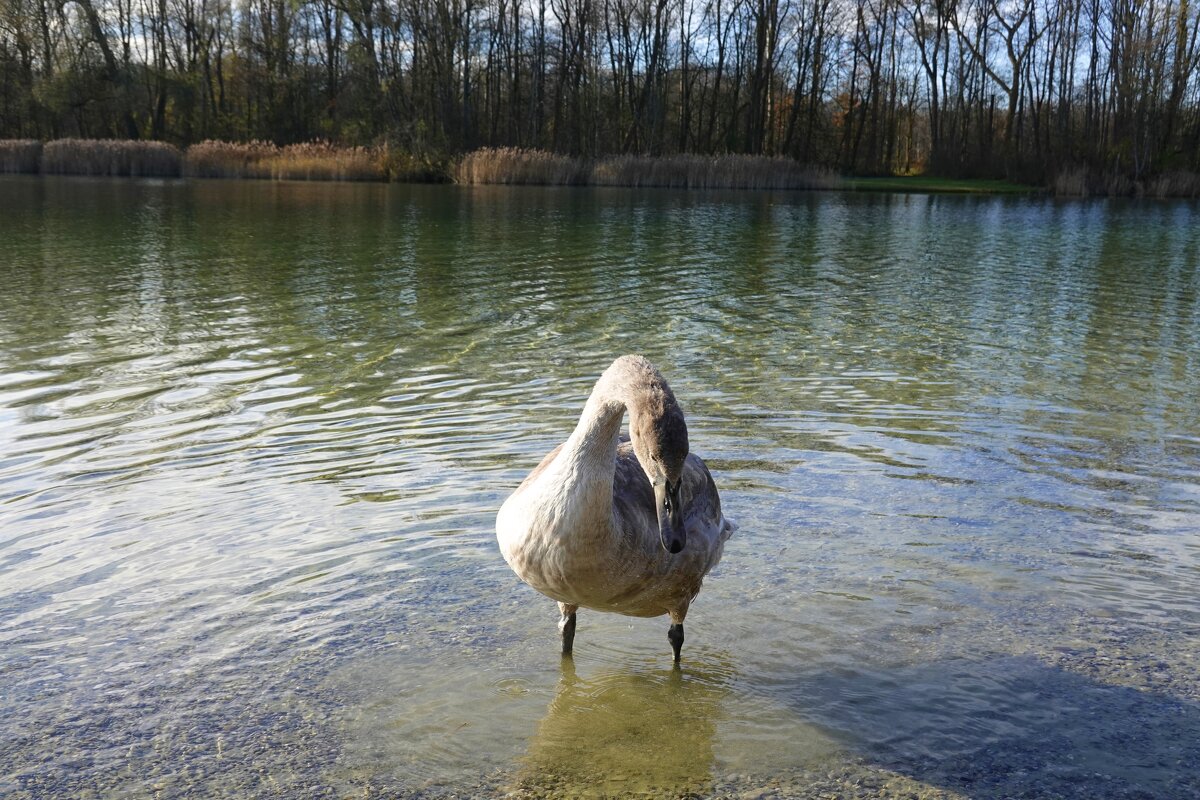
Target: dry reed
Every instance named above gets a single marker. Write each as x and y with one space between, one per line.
115 157
509 165
513 165
1071 182
406 167
313 161
711 172
213 159
1082 181
321 161
20 155
1174 184
1085 182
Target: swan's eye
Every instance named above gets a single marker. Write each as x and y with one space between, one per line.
672 492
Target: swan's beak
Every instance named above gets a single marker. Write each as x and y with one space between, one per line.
670 517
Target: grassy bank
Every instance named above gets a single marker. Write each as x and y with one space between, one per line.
931 184
1074 182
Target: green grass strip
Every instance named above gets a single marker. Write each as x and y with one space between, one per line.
930 184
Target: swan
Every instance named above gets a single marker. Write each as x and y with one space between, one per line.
625 524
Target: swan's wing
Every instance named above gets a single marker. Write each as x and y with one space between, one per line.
538 470
633 498
703 503
672 580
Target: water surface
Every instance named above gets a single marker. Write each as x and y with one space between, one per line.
253 437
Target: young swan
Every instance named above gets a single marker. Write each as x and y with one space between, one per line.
613 523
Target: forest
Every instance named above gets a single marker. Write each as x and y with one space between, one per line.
1020 89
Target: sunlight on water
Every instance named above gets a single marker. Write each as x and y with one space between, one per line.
253 437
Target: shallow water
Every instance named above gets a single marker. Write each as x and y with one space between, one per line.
253 437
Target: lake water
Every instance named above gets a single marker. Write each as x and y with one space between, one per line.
253 437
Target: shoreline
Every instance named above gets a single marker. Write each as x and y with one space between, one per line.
931 184
325 162
898 185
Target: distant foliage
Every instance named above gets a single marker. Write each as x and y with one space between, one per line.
20 155
1011 89
510 165
113 157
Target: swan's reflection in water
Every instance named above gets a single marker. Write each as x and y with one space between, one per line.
631 729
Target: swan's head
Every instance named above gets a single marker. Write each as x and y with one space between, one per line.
671 533
660 440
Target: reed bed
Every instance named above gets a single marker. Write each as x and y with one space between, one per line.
111 157
321 161
1085 182
1080 181
711 172
1174 184
311 161
510 165
20 155
407 167
213 159
1070 182
514 165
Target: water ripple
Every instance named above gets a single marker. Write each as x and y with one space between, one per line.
252 440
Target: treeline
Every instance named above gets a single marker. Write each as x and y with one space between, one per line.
1025 89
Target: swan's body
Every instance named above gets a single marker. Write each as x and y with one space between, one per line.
628 525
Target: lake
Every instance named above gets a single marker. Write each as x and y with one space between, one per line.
253 437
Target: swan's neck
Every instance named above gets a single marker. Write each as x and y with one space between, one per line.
631 383
575 495
591 450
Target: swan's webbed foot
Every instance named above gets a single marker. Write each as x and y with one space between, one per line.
566 626
675 636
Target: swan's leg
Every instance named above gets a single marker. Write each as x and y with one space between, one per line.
566 626
675 633
675 636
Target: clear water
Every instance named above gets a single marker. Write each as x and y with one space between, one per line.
253 437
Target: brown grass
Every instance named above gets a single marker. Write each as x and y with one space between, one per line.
313 161
116 157
509 165
20 155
